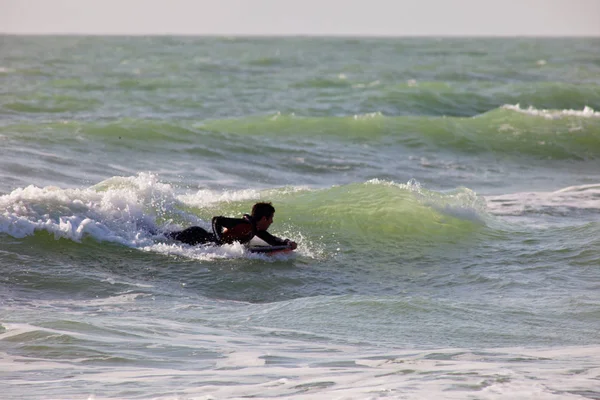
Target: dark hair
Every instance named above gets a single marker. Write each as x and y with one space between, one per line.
262 209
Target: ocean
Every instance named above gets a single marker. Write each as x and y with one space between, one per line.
444 194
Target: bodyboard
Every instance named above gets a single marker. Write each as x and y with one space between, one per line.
270 249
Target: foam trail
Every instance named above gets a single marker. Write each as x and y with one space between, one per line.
121 213
562 201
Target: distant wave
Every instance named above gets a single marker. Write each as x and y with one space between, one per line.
466 99
509 129
548 134
587 112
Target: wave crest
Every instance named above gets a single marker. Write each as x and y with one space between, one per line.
133 210
587 112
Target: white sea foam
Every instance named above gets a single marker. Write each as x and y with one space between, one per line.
116 213
368 116
122 210
228 251
583 197
587 112
206 197
412 185
241 366
204 253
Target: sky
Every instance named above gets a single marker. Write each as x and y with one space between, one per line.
303 17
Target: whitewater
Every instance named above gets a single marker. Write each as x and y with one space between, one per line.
444 194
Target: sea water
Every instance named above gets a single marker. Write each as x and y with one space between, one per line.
444 193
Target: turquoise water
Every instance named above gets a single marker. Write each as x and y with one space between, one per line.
445 195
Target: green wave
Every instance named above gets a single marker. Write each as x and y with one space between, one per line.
508 130
379 211
39 103
439 98
374 215
131 130
556 134
378 214
553 95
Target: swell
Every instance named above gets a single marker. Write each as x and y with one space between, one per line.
451 98
376 216
547 134
359 238
108 239
39 103
511 129
132 211
386 212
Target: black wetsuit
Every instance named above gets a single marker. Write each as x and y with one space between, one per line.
226 230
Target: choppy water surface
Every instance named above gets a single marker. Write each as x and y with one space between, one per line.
445 195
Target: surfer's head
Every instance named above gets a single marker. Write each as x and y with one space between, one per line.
263 214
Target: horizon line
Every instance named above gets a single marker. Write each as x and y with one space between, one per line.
308 35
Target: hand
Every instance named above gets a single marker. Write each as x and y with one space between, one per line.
292 245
